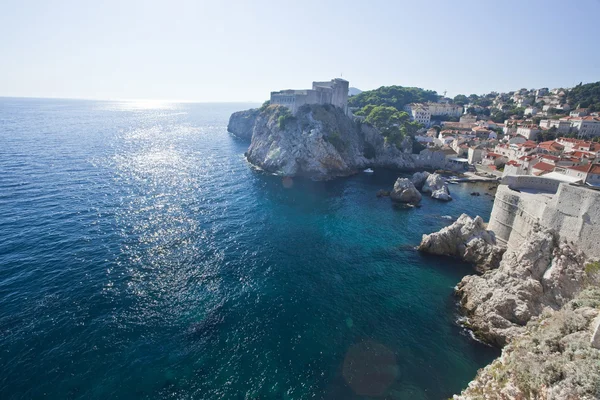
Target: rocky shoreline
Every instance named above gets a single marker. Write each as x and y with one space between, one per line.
524 298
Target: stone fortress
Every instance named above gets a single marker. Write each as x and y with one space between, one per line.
331 92
524 202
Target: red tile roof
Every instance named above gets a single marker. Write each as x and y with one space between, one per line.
581 168
542 166
595 169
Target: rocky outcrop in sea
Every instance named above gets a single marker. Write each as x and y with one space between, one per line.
437 186
319 142
468 240
405 192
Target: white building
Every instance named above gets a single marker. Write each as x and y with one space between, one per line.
561 126
445 109
531 110
419 113
586 126
529 132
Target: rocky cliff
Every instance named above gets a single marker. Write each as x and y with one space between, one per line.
553 359
319 142
241 123
541 273
466 239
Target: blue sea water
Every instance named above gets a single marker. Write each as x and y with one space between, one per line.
141 257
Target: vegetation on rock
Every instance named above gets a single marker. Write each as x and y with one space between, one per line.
553 359
585 96
393 96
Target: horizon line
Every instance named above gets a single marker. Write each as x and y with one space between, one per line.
129 99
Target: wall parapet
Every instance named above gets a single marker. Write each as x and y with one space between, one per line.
522 182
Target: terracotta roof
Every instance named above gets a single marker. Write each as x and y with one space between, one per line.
581 168
516 164
595 169
581 154
551 146
542 166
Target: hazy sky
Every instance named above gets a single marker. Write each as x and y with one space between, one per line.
241 50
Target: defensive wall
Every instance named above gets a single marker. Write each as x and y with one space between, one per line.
572 211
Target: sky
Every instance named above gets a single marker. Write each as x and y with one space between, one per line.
240 50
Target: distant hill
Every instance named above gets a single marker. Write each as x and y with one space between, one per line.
354 91
394 96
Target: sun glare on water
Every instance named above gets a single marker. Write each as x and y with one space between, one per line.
145 104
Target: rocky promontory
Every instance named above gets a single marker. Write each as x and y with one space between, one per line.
241 123
554 358
541 273
467 239
318 142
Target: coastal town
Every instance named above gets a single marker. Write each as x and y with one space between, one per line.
550 139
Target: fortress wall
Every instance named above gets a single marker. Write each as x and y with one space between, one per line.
573 212
514 215
531 182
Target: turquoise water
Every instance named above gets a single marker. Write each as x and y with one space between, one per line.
141 257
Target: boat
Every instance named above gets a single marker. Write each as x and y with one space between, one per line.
369 171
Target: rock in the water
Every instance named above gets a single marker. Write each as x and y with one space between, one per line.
405 192
466 239
433 182
437 186
442 194
418 179
383 193
540 273
321 142
241 123
475 194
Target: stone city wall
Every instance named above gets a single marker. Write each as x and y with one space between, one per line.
573 212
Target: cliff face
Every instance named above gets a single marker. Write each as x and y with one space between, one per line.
241 123
553 358
541 273
319 142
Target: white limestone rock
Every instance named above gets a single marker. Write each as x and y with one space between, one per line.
540 273
433 182
437 186
466 239
405 192
241 123
320 142
551 359
442 194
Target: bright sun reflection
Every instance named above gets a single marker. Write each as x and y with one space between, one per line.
132 105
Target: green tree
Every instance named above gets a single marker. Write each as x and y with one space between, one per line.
393 96
461 99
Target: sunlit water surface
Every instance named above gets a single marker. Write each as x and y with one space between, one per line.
141 257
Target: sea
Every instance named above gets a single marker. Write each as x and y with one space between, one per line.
142 257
